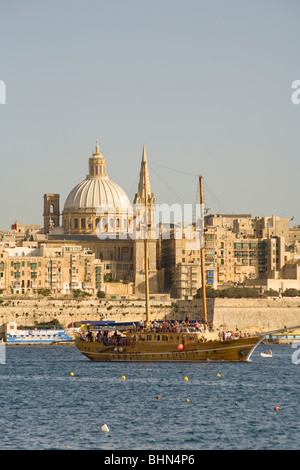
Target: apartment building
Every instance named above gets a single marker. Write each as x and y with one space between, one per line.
27 270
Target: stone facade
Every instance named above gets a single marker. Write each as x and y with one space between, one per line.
100 239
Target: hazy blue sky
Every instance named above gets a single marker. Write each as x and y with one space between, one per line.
205 85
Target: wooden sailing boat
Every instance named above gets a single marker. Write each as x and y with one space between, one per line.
180 344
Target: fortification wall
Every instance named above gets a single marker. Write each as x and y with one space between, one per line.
228 314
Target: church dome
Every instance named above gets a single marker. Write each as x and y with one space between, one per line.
88 200
95 193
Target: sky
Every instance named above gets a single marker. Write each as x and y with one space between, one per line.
205 85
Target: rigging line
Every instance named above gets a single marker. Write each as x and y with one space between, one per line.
214 197
173 169
133 184
169 186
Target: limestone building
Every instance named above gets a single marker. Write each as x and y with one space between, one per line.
63 269
98 216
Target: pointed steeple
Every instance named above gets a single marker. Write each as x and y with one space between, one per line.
144 177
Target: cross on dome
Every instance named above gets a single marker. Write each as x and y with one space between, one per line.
97 149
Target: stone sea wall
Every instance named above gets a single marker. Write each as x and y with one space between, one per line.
228 314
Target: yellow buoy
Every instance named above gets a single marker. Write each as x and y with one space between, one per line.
186 379
123 377
187 400
71 373
218 375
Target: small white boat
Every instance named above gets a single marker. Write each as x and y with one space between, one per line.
269 354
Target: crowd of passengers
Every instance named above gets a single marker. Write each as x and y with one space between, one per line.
104 336
186 325
169 326
114 337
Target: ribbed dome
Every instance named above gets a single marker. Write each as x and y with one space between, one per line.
93 193
97 203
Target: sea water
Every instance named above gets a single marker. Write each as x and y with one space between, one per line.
147 406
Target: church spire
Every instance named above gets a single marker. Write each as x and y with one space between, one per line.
144 174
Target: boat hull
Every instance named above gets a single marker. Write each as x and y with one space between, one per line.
231 350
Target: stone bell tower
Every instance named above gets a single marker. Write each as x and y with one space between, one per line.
144 189
51 212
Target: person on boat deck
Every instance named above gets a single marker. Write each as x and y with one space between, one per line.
196 325
89 336
99 335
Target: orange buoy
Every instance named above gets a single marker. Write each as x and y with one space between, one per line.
180 347
276 408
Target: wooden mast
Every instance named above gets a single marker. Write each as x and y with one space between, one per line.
146 246
202 254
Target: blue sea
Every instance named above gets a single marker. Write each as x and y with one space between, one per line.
230 407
